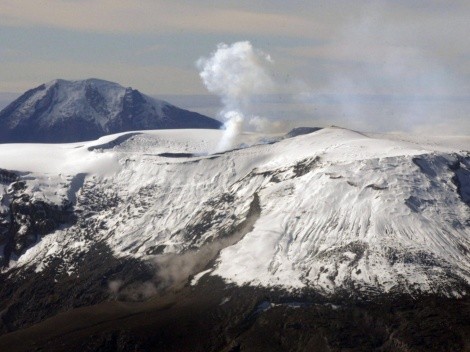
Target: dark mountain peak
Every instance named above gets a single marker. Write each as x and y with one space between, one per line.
72 111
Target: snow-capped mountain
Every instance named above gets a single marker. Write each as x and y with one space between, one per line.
335 210
332 240
71 111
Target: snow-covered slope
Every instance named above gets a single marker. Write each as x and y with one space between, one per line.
68 111
332 210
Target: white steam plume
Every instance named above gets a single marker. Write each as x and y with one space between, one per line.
237 74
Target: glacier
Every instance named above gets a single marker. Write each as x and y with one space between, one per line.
331 211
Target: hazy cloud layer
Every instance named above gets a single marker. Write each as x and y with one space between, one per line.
412 56
148 16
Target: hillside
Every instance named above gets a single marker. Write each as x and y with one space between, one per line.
334 216
71 111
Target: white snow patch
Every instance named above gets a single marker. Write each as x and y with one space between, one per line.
198 276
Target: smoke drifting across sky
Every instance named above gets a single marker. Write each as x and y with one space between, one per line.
381 83
390 83
237 74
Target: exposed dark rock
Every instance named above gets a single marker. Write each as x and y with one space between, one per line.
424 166
376 187
305 166
31 297
215 317
28 219
299 131
417 204
461 178
176 155
7 177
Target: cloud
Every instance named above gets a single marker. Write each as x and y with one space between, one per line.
151 79
145 16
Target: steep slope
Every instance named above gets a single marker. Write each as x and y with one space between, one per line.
70 111
330 240
338 210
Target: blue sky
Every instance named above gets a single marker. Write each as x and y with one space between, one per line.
411 51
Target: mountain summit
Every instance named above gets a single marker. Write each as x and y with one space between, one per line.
72 111
339 239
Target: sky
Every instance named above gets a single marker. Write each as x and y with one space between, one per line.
378 65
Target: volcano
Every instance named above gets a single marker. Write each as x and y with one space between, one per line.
329 240
69 111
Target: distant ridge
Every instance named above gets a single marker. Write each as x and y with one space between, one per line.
72 111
